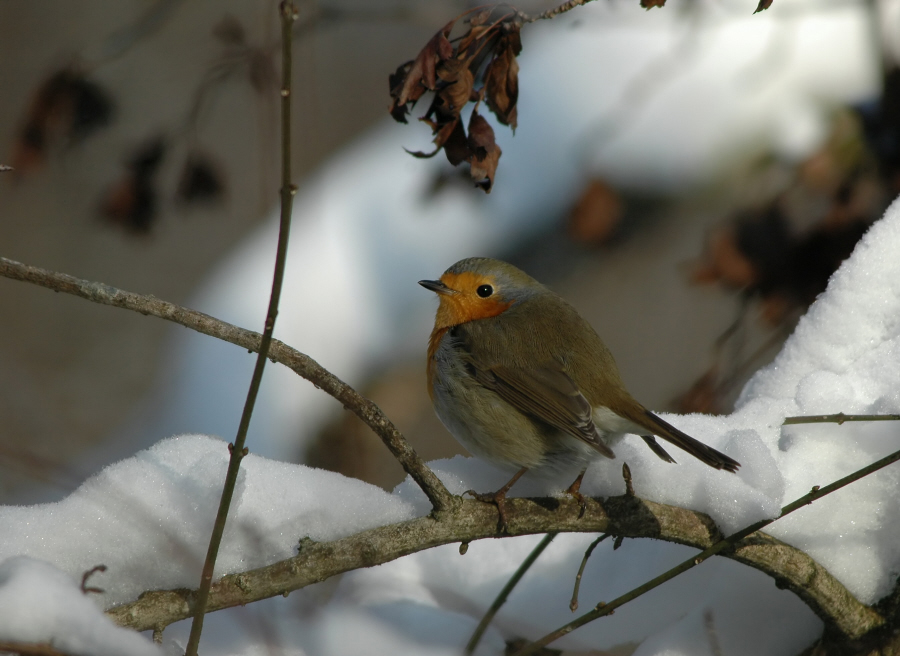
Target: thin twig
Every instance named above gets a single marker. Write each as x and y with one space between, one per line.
573 604
838 419
603 609
238 451
552 13
301 364
629 483
504 593
88 574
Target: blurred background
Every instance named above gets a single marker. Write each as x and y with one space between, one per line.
687 176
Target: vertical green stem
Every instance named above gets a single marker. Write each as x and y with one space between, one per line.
504 593
238 451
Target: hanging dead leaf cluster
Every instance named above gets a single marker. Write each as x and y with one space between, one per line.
478 65
133 201
67 107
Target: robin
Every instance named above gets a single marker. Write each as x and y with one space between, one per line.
522 380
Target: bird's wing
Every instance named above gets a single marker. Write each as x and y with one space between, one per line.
547 394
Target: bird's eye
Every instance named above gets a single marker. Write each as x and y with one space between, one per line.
484 291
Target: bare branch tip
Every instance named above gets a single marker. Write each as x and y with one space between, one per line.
85 589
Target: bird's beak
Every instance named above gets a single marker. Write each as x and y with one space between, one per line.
437 287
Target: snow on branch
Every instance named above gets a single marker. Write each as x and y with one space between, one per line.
623 516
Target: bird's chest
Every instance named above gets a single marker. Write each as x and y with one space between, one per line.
449 375
476 416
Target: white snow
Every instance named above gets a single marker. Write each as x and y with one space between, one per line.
842 358
41 604
147 517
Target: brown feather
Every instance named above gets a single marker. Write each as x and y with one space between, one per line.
549 395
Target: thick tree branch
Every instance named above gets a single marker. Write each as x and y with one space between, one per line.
279 352
472 520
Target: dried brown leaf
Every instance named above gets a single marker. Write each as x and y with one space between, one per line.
131 202
456 146
597 214
763 5
775 307
512 38
486 52
66 106
421 74
395 81
502 83
451 137
650 4
473 37
459 81
200 180
484 153
725 262
486 25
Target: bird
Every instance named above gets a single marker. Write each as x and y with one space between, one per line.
522 380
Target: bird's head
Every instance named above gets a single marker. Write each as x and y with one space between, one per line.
479 288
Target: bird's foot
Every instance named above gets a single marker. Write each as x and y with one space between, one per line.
574 490
498 499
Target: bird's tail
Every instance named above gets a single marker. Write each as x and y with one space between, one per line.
696 448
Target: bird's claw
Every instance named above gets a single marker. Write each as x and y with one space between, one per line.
498 499
574 491
582 502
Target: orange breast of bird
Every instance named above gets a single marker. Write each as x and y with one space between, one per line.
456 309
